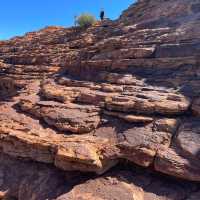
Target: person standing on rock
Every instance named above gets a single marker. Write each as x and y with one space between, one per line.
102 13
75 20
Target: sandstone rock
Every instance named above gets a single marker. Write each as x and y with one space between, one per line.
105 188
141 144
83 156
142 104
111 88
170 162
126 53
21 180
76 119
178 50
53 92
68 153
130 118
196 107
8 87
127 90
188 139
81 92
167 125
132 183
28 146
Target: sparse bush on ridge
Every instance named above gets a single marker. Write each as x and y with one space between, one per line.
86 20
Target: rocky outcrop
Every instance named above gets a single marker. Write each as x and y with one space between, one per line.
86 100
31 180
71 117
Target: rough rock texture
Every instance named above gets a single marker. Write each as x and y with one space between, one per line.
97 101
22 179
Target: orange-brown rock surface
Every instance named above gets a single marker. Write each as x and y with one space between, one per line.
105 113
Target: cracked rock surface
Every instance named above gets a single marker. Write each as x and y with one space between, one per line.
110 112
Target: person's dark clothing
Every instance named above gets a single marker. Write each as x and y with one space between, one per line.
102 15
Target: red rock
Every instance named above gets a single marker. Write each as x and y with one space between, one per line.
83 100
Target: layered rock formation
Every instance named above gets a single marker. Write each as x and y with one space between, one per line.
104 100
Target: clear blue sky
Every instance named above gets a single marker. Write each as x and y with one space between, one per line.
20 16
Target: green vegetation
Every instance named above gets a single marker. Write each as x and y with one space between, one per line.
85 20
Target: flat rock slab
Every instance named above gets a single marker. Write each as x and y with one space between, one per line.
84 153
105 188
126 53
132 185
164 105
119 92
130 118
51 91
188 139
70 90
178 50
69 118
182 159
171 162
141 144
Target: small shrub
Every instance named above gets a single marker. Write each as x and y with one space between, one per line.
86 20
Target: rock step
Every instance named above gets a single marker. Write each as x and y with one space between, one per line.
34 74
34 68
64 152
94 67
165 158
130 118
20 138
66 117
178 50
133 96
162 50
121 183
152 100
126 53
26 76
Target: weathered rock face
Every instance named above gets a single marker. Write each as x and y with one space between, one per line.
124 91
21 180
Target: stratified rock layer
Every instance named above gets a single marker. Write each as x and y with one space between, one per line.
86 100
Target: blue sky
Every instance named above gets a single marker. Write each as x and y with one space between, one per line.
20 16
